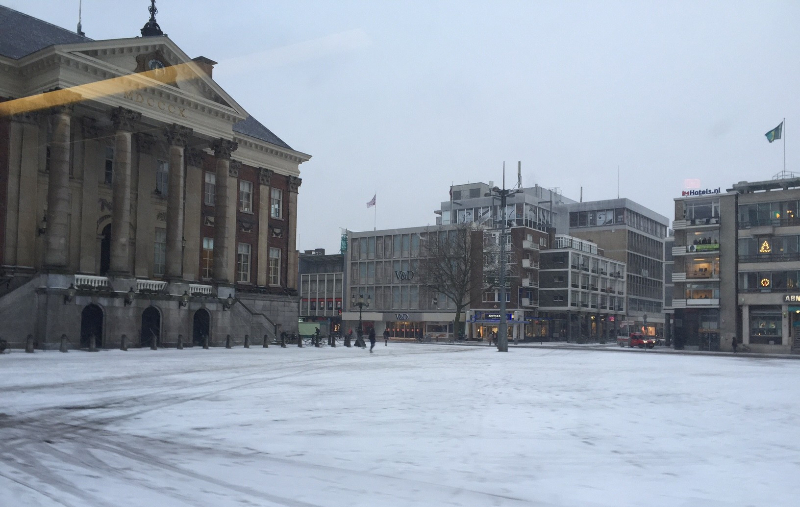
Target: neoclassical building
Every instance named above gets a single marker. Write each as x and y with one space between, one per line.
137 198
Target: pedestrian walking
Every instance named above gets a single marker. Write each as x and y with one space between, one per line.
371 339
386 337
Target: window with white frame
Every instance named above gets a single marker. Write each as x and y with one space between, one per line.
207 260
210 189
243 263
274 266
160 252
162 177
246 196
276 203
109 165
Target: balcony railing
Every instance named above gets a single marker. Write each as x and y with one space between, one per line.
150 286
529 245
770 257
774 222
195 288
94 282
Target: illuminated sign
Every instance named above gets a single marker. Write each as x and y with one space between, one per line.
765 282
707 191
765 247
791 298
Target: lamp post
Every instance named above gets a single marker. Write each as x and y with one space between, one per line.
502 338
360 304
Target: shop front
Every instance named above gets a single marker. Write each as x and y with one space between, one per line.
485 325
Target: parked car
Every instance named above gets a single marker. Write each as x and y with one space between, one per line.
636 340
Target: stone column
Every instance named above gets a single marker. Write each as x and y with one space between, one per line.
192 214
745 338
224 212
178 137
123 119
291 278
24 214
264 176
58 191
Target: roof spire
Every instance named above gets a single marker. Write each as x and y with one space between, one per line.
151 28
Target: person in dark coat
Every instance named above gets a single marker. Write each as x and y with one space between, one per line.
386 337
371 339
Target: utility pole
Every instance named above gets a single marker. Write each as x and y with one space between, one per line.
503 193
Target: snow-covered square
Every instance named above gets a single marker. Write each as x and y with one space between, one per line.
407 425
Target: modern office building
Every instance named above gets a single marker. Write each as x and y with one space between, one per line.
631 233
322 289
623 229
381 269
669 288
581 292
138 199
737 267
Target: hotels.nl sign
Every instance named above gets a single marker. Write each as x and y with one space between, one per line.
708 191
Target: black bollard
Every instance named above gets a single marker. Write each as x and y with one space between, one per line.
228 342
123 344
180 342
333 341
153 344
92 343
63 347
205 342
247 341
283 340
29 344
347 340
266 342
299 340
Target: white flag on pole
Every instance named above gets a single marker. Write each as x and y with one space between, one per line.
372 202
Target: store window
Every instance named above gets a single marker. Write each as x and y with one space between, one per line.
766 325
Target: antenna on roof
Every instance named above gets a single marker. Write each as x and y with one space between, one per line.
80 8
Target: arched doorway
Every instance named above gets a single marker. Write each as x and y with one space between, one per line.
201 326
92 324
151 327
105 250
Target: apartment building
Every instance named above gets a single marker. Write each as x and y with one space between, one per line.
582 292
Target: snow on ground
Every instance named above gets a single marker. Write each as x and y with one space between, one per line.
408 425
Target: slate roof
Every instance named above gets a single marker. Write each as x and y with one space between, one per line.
253 128
21 35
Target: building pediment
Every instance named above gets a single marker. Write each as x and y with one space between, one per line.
117 73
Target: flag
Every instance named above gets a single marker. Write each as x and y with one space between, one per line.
372 202
774 133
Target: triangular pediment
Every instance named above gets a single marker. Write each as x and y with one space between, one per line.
156 58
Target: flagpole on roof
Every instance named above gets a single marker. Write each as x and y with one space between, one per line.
784 145
375 223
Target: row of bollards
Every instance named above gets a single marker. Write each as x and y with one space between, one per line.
316 340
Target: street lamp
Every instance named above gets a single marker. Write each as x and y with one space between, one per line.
360 304
503 194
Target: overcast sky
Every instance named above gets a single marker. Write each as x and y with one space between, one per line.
401 98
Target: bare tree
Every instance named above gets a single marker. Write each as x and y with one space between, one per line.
452 264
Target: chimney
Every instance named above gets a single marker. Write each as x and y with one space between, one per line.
205 64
